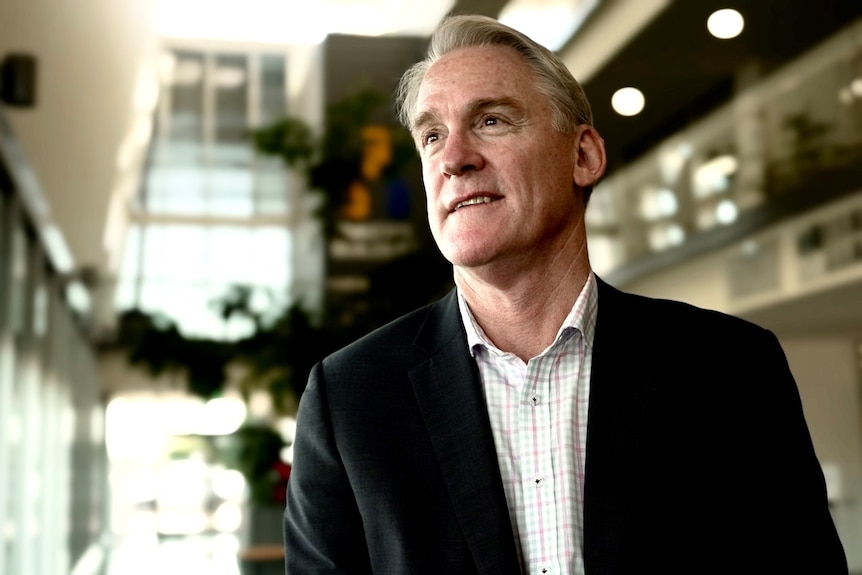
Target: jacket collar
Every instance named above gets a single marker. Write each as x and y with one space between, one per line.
452 403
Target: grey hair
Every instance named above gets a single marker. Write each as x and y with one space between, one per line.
565 95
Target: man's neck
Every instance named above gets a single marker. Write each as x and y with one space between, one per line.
521 313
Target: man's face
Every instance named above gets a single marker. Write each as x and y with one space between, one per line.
498 176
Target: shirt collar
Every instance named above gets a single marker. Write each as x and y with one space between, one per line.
581 317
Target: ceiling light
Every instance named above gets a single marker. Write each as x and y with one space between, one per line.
725 24
628 101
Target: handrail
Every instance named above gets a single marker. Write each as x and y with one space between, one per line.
35 204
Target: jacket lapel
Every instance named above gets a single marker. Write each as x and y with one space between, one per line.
452 403
621 392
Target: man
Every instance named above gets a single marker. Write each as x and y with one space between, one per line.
536 420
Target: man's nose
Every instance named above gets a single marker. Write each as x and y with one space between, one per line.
461 154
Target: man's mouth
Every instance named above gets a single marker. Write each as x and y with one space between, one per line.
475 200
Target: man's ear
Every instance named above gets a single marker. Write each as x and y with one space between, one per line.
590 161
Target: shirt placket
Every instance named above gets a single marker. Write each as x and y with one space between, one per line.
538 482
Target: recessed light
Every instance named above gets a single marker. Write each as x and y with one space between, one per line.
628 101
725 24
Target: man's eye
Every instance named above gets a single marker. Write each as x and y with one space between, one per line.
490 121
429 139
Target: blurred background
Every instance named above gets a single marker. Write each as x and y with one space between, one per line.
201 198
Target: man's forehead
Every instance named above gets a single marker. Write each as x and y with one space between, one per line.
475 72
475 57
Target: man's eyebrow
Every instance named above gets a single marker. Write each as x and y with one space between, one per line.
423 119
483 104
476 106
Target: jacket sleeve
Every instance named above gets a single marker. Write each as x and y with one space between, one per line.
802 531
322 527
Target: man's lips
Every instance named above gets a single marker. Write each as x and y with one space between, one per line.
472 201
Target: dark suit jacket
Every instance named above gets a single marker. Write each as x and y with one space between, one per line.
698 456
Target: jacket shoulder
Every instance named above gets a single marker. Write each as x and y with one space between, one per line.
388 344
672 321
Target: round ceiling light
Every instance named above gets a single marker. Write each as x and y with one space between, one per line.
628 101
725 24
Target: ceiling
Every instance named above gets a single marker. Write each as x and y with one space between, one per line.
684 72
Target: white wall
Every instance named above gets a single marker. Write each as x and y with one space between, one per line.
90 56
830 384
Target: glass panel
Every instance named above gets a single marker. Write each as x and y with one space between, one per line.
273 86
270 181
181 268
174 253
186 113
7 374
230 79
231 191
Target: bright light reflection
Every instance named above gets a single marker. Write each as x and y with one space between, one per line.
725 24
656 204
228 484
187 72
226 543
604 253
182 522
295 22
549 22
222 416
140 485
663 237
714 175
227 518
58 249
628 101
287 428
672 161
183 483
675 235
181 416
78 297
124 422
726 212
230 77
260 404
286 454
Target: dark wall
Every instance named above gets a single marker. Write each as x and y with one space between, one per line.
399 283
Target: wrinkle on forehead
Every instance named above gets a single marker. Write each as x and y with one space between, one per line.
496 74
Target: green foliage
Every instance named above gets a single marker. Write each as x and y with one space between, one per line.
289 138
277 357
156 343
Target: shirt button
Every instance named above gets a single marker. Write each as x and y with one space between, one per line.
535 400
539 480
545 570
